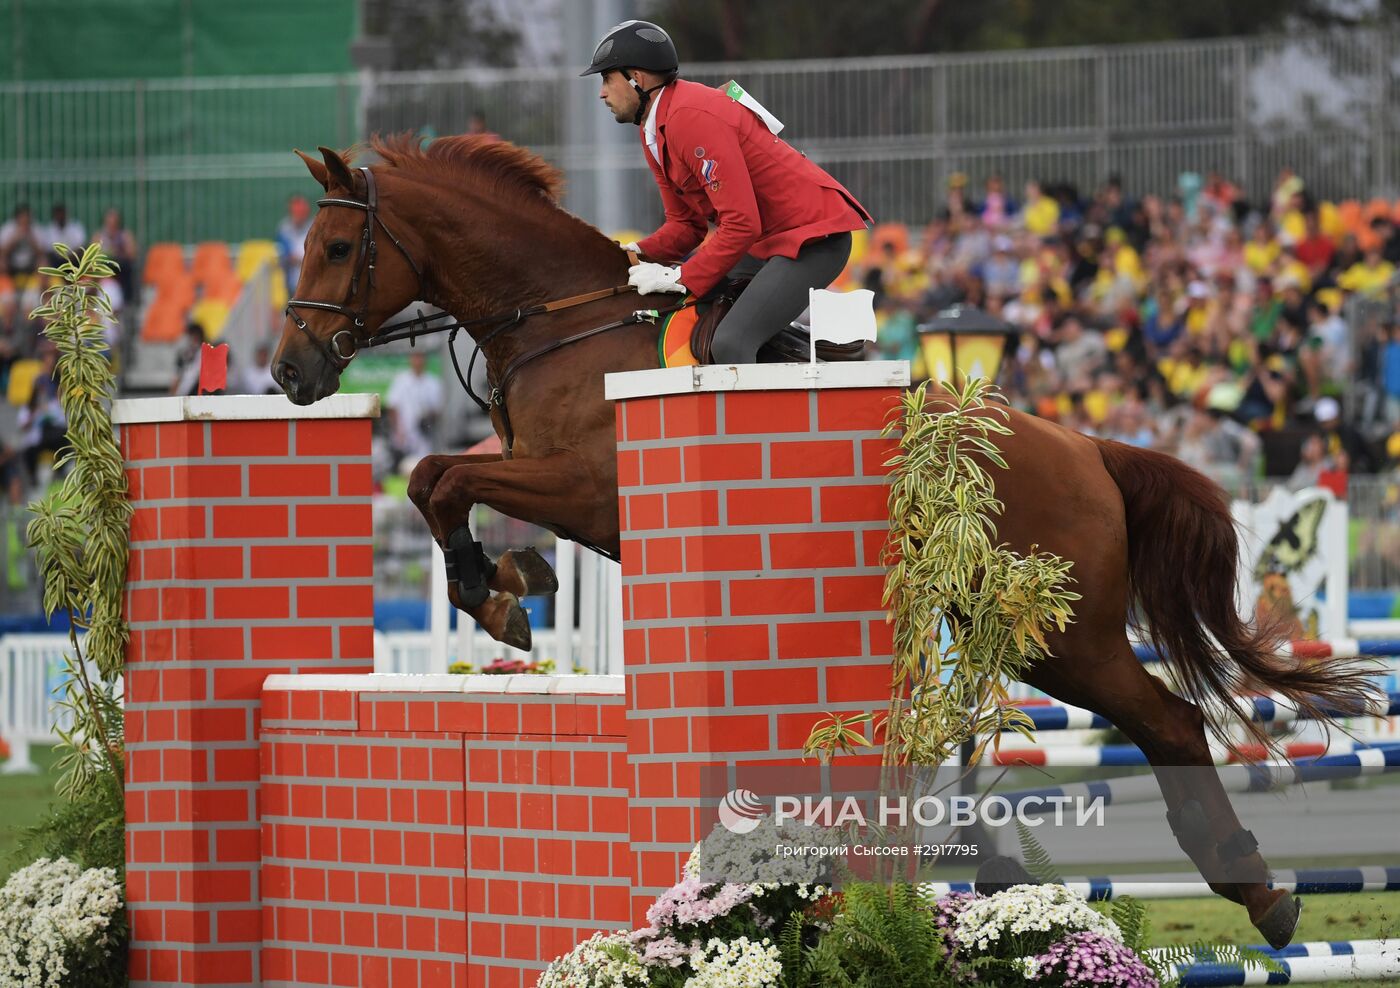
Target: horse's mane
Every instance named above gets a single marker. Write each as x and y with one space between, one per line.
502 167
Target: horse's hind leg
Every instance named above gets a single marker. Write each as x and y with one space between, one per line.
1171 732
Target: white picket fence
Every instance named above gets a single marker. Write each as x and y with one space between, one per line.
31 671
595 645
31 665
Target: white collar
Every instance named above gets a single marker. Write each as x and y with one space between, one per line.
649 126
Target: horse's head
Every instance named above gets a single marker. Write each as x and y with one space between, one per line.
355 274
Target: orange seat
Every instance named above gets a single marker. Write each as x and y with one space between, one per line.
890 233
1350 215
212 261
162 262
225 288
177 290
164 322
1376 208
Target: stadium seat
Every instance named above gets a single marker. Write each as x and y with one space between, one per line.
279 290
252 254
177 290
860 243
212 314
1329 220
890 233
1349 212
163 323
211 262
22 376
162 261
225 288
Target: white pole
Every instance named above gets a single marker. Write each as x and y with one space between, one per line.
438 614
588 613
566 569
612 657
19 762
23 701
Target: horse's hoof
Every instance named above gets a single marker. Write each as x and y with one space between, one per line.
1000 873
516 631
536 576
1280 921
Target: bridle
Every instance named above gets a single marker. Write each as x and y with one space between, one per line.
365 256
411 329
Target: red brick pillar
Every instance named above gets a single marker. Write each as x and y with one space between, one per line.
250 555
752 504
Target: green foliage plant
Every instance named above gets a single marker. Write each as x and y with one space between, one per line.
946 570
80 536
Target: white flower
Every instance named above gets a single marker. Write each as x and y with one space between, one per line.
739 963
1026 909
51 912
741 858
604 960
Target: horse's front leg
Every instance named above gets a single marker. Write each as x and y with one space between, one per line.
429 470
522 572
552 491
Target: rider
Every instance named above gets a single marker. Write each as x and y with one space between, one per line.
715 160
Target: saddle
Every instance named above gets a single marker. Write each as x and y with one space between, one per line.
686 335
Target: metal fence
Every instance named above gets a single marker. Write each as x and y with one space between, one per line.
210 158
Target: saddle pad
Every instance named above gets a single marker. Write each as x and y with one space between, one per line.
673 345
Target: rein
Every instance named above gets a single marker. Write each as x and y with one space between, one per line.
411 329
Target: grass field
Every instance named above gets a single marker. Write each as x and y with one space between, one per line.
1363 916
23 799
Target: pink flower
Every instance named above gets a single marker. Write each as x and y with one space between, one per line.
1088 959
693 901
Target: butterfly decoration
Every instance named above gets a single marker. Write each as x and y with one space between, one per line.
1294 543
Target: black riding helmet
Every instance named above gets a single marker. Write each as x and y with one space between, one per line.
634 44
638 45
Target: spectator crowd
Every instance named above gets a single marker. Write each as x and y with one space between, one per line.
1224 331
1242 336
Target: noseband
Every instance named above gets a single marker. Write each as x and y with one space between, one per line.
365 256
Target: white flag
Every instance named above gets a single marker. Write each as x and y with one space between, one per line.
841 317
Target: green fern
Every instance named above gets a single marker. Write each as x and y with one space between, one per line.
1037 859
885 937
797 965
1131 916
1165 961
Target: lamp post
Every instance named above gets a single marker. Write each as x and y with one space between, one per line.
963 341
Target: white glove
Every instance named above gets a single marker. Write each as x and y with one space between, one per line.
648 277
631 246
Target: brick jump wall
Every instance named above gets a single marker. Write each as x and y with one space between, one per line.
251 555
288 827
753 510
439 830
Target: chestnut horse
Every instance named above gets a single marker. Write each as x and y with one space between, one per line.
475 228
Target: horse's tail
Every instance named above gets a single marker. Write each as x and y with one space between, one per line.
1183 555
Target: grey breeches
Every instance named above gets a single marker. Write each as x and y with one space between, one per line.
776 297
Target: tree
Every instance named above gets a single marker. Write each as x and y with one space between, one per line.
727 30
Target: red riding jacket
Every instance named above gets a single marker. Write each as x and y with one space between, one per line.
721 164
